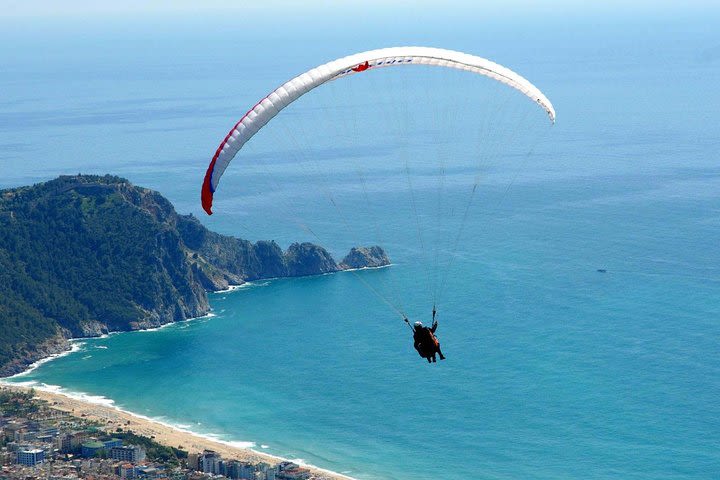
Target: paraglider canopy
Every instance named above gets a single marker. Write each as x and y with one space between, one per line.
268 107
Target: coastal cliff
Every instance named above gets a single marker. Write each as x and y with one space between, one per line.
85 255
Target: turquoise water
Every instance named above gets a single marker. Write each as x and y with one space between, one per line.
554 369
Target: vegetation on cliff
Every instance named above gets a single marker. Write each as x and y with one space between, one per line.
83 255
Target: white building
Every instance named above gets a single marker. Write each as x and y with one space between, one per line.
210 462
30 457
129 453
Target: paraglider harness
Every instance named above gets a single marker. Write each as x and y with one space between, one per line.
424 349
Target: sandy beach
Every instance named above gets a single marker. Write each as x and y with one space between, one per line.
164 434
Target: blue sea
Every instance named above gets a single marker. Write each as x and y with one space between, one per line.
579 300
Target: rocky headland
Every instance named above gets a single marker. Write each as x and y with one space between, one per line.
85 255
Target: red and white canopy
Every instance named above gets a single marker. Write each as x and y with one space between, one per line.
258 116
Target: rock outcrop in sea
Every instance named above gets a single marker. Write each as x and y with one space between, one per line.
85 255
364 257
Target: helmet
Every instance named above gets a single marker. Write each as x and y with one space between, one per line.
418 324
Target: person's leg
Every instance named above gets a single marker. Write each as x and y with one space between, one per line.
442 357
428 359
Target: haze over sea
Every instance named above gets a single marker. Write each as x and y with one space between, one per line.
554 370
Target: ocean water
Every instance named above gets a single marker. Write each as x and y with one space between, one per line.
554 370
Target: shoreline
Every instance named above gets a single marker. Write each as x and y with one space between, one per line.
77 342
104 410
209 314
256 283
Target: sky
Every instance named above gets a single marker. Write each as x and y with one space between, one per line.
92 8
412 21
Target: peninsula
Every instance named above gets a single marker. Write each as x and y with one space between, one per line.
85 255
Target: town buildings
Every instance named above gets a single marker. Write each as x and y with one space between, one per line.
52 445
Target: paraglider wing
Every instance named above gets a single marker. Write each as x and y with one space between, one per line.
258 116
